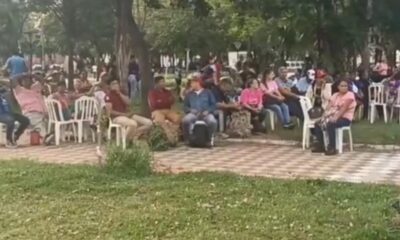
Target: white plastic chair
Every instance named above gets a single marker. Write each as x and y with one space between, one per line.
377 97
396 105
56 118
308 123
339 139
271 115
120 132
85 113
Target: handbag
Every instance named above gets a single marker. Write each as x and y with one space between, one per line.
268 100
315 112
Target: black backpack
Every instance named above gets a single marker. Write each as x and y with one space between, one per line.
200 136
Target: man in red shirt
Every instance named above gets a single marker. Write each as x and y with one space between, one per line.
117 105
161 101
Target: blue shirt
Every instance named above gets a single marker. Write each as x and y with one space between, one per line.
203 101
288 84
303 84
16 65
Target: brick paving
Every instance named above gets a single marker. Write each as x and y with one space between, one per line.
286 162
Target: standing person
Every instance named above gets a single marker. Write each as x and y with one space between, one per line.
178 79
274 100
287 87
15 65
117 105
339 113
252 100
199 104
381 69
133 78
9 118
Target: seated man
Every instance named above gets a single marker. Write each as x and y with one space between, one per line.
224 103
199 104
65 99
117 105
32 103
304 83
8 118
286 87
161 101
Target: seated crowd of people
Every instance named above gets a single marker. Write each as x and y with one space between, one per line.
207 97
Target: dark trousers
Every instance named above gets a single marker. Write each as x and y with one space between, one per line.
331 130
257 120
9 120
295 108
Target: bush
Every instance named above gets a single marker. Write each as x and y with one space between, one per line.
136 160
157 139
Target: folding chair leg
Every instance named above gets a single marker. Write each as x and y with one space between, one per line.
57 132
385 114
339 140
350 140
304 138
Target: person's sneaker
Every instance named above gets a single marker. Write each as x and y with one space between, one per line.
49 139
318 149
11 145
331 152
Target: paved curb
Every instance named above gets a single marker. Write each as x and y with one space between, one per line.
298 144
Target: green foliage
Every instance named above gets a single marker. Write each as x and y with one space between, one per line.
135 160
157 139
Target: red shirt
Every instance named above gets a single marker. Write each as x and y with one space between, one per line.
160 99
116 101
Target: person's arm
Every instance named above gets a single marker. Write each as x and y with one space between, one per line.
6 66
186 104
125 98
343 109
212 103
287 93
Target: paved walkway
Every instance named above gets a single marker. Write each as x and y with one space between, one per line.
244 159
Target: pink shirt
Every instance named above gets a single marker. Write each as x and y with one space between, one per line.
270 87
253 97
29 100
338 100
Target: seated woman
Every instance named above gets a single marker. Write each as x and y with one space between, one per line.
339 113
83 86
274 100
320 91
252 101
65 99
32 104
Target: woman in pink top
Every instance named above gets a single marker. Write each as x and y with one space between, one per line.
339 113
274 100
252 100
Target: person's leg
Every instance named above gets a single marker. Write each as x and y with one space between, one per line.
144 123
129 123
8 120
285 113
23 125
187 122
158 116
37 122
319 135
132 86
211 123
173 116
277 110
331 129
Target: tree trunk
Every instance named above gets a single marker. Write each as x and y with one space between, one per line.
140 48
69 11
365 56
122 46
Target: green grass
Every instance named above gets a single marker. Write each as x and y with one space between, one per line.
363 133
76 202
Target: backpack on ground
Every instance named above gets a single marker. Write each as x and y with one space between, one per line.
199 136
240 125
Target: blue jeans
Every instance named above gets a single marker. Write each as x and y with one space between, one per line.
9 120
191 118
282 111
331 130
134 86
